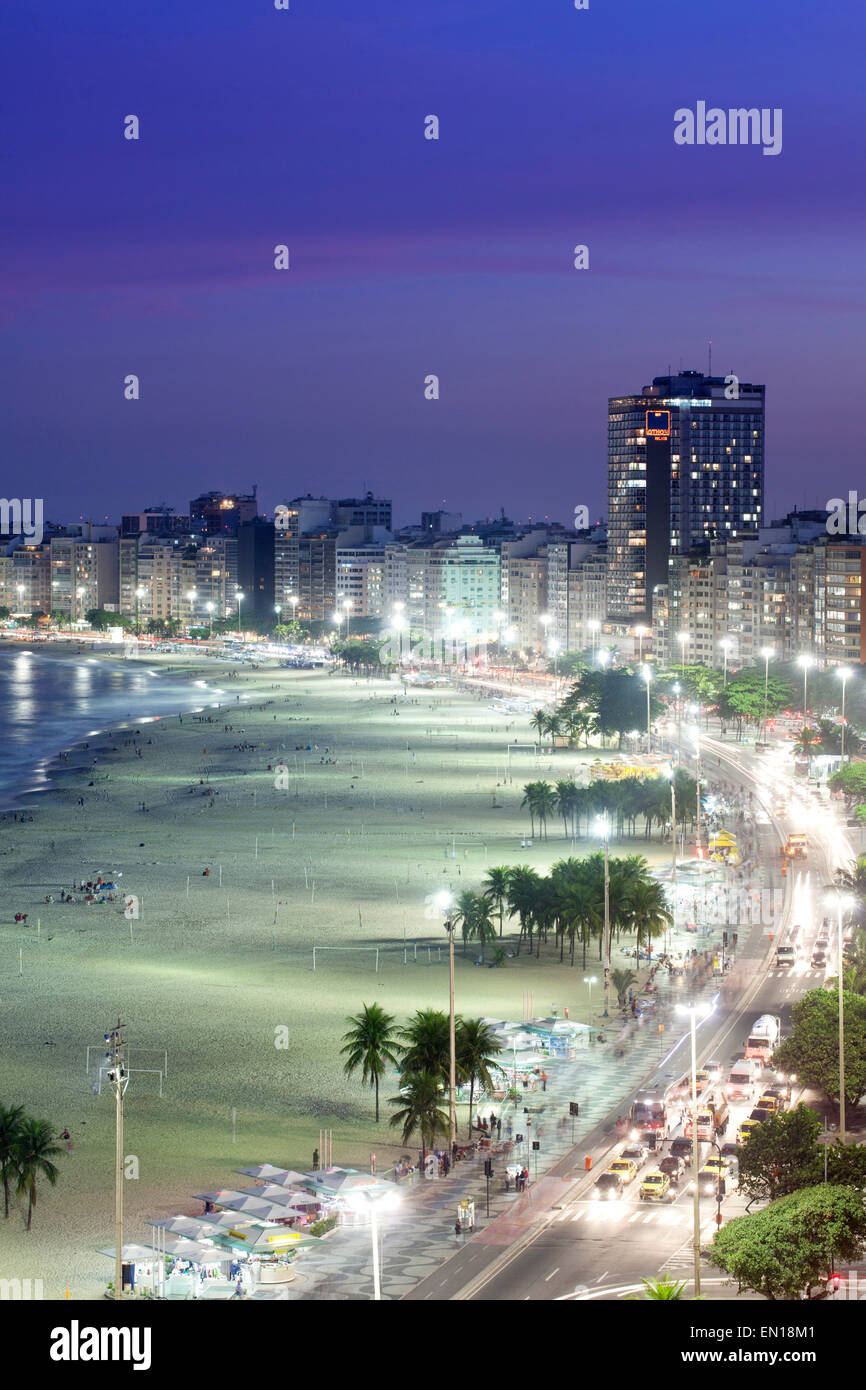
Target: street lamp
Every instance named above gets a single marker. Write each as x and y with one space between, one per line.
594 626
725 645
603 656
590 980
445 901
278 608
239 595
374 1199
683 638
843 673
648 675
139 594
191 595
601 824
671 773
844 903
640 633
805 662
117 1075
293 600
766 653
696 735
209 607
694 1012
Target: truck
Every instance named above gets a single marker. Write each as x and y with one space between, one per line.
763 1037
786 955
795 847
741 1083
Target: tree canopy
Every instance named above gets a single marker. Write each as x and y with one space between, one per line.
812 1049
786 1250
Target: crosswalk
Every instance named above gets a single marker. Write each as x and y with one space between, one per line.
621 1214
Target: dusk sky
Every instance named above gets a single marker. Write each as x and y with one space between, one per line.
410 256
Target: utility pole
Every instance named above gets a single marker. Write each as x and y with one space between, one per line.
118 1076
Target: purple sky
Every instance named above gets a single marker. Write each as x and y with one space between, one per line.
411 257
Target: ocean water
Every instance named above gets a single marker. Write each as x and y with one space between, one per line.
50 702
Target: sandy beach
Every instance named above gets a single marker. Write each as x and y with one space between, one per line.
384 802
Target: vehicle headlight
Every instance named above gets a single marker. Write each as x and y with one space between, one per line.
595 1194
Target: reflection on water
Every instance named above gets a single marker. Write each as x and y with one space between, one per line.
47 703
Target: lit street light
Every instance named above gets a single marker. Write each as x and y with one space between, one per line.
843 673
590 980
602 826
805 662
648 675
694 1012
445 901
239 595
374 1198
640 633
683 638
766 653
725 645
843 903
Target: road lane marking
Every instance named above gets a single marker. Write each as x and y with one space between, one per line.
550 1276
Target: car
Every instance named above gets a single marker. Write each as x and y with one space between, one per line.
626 1170
731 1150
608 1188
759 1114
655 1187
682 1148
778 1094
822 941
783 1083
673 1166
819 960
713 1071
769 1102
636 1152
713 1171
745 1129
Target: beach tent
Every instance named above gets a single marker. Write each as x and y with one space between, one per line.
282 1196
284 1177
249 1206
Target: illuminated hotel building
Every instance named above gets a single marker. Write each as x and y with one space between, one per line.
685 465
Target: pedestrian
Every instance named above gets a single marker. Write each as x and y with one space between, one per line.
499 1129
544 1081
458 1229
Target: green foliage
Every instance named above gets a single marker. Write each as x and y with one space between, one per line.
370 1042
358 652
320 1228
786 1250
419 1107
33 1155
101 620
622 980
743 697
781 1156
664 1290
850 779
812 1050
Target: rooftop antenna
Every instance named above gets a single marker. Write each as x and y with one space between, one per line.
710 370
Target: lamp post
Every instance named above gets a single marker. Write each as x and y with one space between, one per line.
676 687
805 662
683 638
445 901
696 735
648 675
602 825
239 595
209 607
844 903
766 653
118 1078
380 1198
672 775
694 1012
191 595
843 673
553 649
293 600
640 633
594 626
725 645
590 980
278 609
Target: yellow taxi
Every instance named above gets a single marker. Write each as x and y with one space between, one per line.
708 1177
769 1103
746 1129
626 1169
655 1187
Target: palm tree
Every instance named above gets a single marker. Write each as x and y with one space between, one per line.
477 1050
35 1149
538 722
853 879
10 1133
622 980
427 1045
370 1043
530 801
648 911
496 890
523 884
664 1290
484 928
564 792
545 804
464 914
420 1100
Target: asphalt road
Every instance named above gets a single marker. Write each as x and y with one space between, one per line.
590 1249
